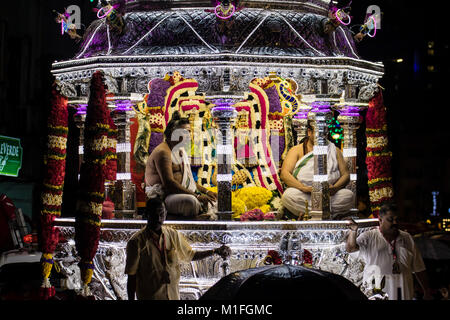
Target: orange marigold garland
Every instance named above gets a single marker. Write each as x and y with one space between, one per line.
378 158
53 183
92 179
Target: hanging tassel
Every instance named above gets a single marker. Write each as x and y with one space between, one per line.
46 291
87 270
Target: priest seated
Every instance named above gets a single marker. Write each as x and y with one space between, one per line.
168 176
297 174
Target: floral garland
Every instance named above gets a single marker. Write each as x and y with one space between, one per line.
251 203
92 178
378 158
274 258
51 198
257 215
307 258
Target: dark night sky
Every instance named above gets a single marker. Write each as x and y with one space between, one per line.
415 98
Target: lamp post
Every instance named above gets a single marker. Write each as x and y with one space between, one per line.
224 115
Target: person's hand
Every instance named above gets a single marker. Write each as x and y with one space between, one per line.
224 251
212 195
353 225
306 189
359 36
205 199
332 189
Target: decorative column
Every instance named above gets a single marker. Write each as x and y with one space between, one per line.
350 119
123 191
299 122
320 196
224 115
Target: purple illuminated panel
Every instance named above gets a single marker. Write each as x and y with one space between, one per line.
301 115
350 111
223 104
123 105
82 109
320 107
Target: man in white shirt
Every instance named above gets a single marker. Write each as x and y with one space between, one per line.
154 255
393 253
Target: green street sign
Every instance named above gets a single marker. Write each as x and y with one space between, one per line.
10 156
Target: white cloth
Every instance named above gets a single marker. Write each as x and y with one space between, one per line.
376 251
179 156
154 191
180 204
294 199
145 261
306 173
184 205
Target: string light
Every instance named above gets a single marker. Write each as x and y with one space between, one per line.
374 26
320 177
224 149
105 14
349 152
341 12
123 176
320 150
224 177
219 6
435 194
335 130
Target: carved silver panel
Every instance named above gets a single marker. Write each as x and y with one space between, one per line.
250 243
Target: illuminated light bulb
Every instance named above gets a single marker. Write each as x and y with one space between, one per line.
349 152
225 149
224 177
320 177
123 176
123 147
320 150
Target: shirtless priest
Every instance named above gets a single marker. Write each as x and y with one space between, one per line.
297 173
168 175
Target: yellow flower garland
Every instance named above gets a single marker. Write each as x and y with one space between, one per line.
52 200
378 194
248 198
57 142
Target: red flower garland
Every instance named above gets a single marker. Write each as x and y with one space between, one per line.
92 177
273 257
378 158
53 183
307 258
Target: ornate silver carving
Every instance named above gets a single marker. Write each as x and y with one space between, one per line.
249 242
367 92
66 89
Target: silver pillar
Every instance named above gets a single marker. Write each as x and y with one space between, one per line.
320 196
122 191
350 119
224 115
